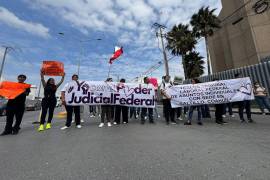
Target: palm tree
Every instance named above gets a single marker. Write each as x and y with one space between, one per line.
181 41
204 23
194 65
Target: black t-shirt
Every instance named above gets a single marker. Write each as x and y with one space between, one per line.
19 100
50 91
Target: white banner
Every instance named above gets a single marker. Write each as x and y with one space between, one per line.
110 93
216 92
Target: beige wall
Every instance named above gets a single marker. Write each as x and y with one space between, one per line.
242 44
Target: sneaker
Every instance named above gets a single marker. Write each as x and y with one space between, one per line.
115 123
99 115
101 125
109 124
48 126
173 123
187 123
41 128
200 123
73 121
219 122
92 115
224 116
158 116
145 118
15 131
180 119
79 126
65 127
264 113
243 121
233 116
124 122
250 121
224 122
82 121
5 133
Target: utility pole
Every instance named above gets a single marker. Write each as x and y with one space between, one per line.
3 60
160 28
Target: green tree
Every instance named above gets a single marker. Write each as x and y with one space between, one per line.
204 22
194 65
181 40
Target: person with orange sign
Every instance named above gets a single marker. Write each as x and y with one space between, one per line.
16 107
49 100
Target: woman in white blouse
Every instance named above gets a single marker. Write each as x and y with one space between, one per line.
261 97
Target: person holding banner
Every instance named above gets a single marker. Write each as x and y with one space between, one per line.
169 112
219 111
144 110
16 107
178 110
192 108
106 110
261 97
229 106
49 100
71 108
245 104
121 109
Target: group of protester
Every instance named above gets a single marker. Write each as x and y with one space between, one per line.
111 114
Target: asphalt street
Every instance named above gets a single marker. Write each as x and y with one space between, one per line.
133 151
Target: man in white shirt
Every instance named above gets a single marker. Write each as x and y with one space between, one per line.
168 110
144 110
71 108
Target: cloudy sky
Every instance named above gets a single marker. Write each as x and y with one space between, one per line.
32 28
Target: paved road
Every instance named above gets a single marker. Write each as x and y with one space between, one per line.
234 151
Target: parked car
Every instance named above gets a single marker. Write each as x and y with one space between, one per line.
32 105
3 106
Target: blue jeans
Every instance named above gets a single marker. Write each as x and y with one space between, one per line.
229 105
263 102
205 111
190 113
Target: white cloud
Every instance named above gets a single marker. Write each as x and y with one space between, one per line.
12 20
129 20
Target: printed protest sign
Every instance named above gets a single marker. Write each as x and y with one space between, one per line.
53 68
10 90
110 93
216 92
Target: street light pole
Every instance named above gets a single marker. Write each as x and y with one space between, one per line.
81 49
79 62
3 60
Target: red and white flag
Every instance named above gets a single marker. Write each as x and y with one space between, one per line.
118 51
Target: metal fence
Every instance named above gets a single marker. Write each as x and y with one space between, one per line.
257 73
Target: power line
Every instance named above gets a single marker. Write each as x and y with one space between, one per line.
154 68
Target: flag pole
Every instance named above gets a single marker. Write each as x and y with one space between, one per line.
109 70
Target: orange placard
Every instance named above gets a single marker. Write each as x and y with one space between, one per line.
10 90
53 68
